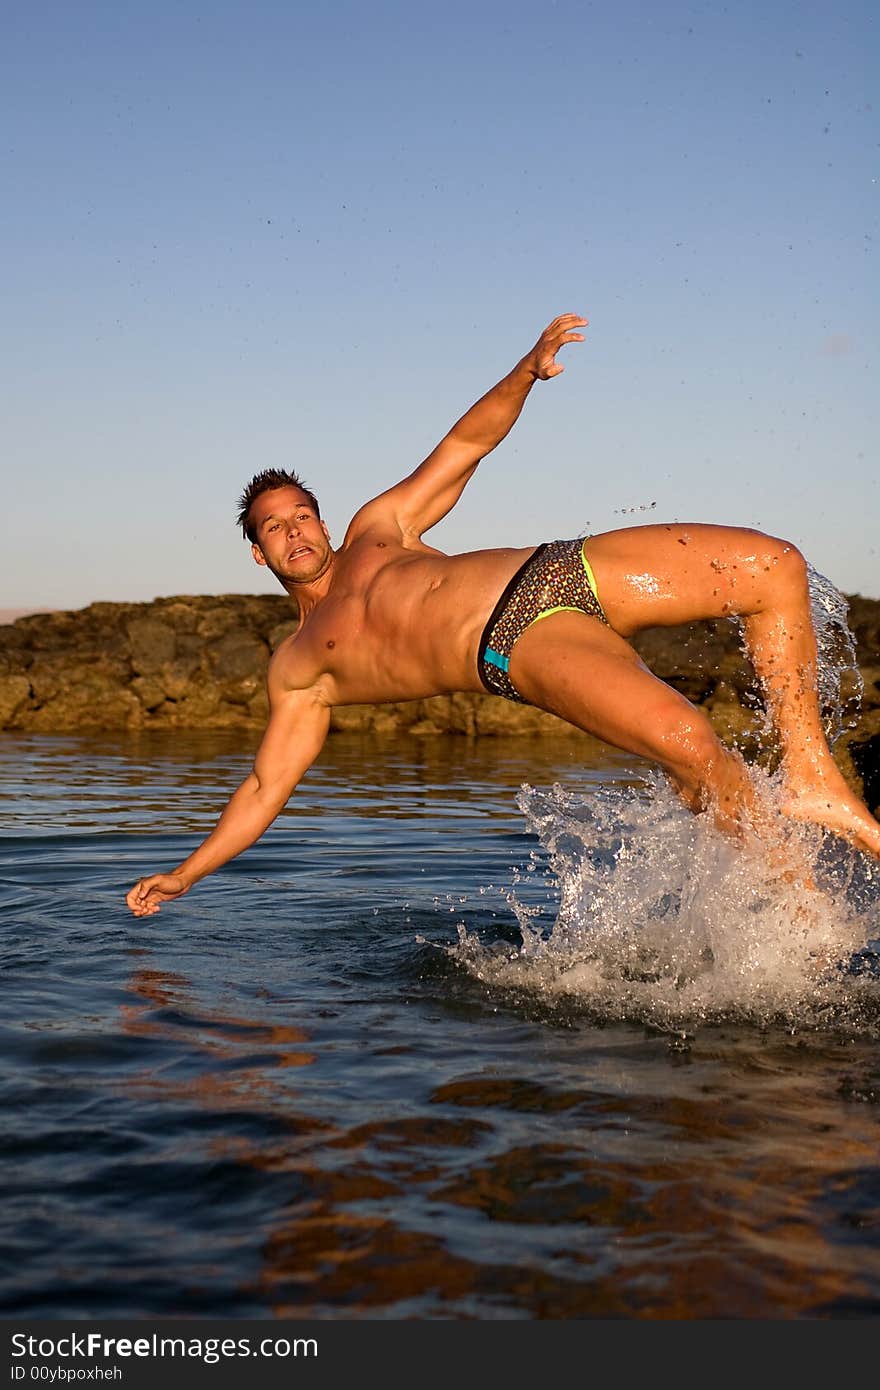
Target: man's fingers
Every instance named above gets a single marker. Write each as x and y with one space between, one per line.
138 898
560 332
568 319
148 894
567 335
143 908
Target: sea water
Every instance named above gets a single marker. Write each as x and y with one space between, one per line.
480 1029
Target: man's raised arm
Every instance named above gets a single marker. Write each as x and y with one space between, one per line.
294 737
425 497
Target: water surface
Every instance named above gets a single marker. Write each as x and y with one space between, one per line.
436 1047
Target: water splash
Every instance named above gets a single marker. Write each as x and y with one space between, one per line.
633 908
839 680
637 909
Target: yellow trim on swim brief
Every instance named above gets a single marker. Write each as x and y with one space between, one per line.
548 613
588 571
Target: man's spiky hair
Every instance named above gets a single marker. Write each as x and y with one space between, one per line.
267 481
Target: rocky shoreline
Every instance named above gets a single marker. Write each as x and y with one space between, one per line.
199 662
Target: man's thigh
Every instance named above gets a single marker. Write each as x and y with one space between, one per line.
661 575
573 666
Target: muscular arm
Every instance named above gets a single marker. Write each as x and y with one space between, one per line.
425 497
294 736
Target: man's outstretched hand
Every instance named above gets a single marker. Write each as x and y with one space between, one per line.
555 335
148 894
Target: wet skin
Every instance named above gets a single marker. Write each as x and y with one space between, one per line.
387 617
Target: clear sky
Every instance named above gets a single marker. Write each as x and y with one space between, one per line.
240 235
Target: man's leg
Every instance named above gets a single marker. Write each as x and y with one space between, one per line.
576 667
663 575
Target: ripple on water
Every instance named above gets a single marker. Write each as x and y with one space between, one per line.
295 1095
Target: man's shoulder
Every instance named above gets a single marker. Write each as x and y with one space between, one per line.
380 514
293 668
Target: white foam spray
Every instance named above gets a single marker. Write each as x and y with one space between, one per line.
839 680
662 918
637 909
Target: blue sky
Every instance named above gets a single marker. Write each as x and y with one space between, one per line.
238 236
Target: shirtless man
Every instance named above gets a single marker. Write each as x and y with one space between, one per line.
387 617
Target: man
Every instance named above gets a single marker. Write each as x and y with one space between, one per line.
387 617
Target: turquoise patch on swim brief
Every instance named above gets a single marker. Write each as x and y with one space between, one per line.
494 658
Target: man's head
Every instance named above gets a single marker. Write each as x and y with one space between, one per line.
281 519
268 481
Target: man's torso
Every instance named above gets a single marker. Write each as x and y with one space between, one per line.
401 621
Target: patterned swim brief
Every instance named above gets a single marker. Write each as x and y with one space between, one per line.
556 578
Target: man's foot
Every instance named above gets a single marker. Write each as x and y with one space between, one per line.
829 802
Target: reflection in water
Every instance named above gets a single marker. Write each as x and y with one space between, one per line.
290 1096
178 780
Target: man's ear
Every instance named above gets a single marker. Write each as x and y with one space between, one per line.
258 555
324 529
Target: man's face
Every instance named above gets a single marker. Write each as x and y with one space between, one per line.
291 541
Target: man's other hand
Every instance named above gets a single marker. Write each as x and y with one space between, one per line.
555 336
148 894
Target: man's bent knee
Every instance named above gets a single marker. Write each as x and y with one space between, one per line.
782 563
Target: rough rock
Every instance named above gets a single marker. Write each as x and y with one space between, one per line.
200 662
14 692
